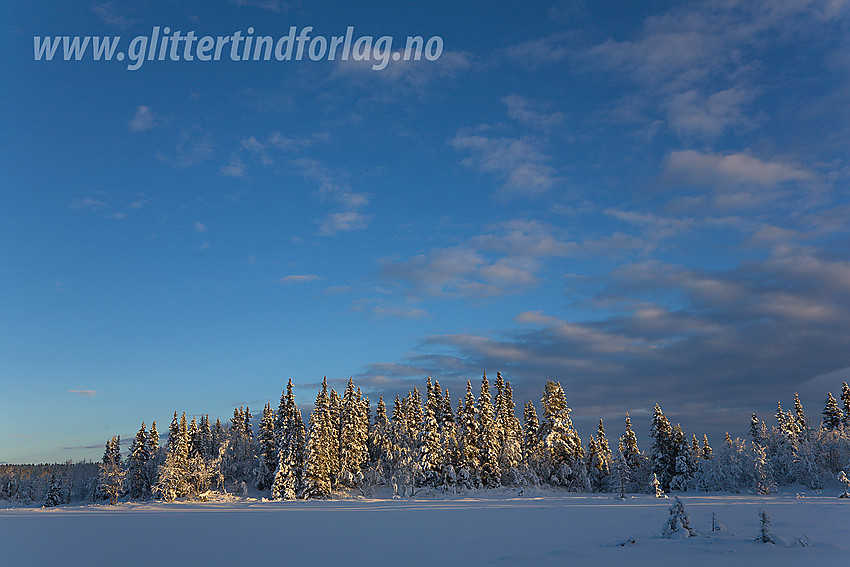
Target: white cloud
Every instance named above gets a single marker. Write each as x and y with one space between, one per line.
501 261
299 278
234 167
85 393
693 168
88 203
343 222
699 62
138 203
521 110
277 6
332 190
518 161
547 50
253 150
192 149
143 120
655 227
111 15
381 312
524 237
694 113
403 75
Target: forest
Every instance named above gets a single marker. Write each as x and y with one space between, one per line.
428 446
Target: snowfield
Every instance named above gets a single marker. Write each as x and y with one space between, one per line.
542 527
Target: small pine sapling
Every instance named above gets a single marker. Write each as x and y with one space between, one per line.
842 478
716 526
656 484
678 523
764 533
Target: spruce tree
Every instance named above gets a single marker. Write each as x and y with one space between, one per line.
845 401
531 444
268 457
499 410
678 523
468 440
154 453
765 536
842 478
448 441
363 425
511 449
284 484
381 449
112 474
194 439
438 403
414 415
763 480
599 459
684 465
353 451
631 451
239 453
298 447
54 492
563 454
322 452
789 426
620 474
402 445
706 448
289 476
755 431
662 451
153 441
800 416
173 475
399 420
138 465
334 412
593 461
173 434
205 438
448 418
489 435
183 448
218 438
430 449
696 452
832 414
656 486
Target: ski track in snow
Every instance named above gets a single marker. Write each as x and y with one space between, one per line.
548 528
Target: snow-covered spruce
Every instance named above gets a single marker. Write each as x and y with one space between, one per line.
842 478
765 536
54 493
678 523
656 485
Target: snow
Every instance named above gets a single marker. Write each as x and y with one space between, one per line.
543 527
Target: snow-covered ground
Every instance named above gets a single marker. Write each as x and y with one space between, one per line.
543 527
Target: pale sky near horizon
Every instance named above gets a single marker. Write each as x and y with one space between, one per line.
644 201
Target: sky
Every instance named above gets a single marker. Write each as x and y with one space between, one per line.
646 202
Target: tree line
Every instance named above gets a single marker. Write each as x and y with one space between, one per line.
432 445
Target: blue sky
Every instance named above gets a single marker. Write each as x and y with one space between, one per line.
645 201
